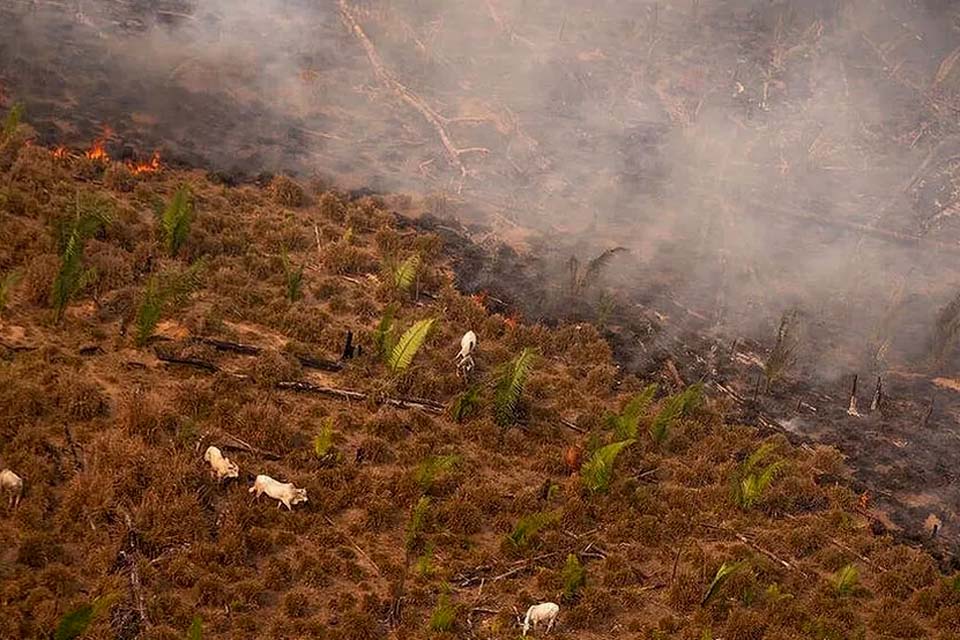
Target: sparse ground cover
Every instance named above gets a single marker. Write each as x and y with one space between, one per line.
191 310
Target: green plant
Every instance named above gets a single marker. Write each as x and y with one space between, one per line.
726 570
12 120
444 616
90 215
418 521
323 441
196 629
428 470
675 407
383 336
581 277
75 623
752 479
513 378
784 352
424 564
845 580
404 274
597 472
574 577
528 527
162 291
407 346
625 423
7 282
293 277
945 330
175 219
465 404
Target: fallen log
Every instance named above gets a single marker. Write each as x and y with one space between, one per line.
351 394
251 350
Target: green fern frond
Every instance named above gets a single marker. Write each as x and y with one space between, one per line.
323 441
13 119
675 407
597 472
510 387
383 337
444 616
726 570
405 273
574 577
408 345
75 623
418 521
625 424
428 470
176 219
528 527
293 277
845 580
91 214
196 629
598 264
465 404
7 282
162 291
751 481
668 414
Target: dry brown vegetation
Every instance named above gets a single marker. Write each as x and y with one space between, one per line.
109 438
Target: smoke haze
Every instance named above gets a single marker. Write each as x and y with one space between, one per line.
754 156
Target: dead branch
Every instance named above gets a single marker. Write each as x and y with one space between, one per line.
405 94
190 362
248 349
351 394
347 537
126 560
572 425
242 445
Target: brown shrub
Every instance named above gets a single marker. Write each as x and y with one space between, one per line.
272 367
80 397
296 603
342 258
892 619
118 177
744 624
685 592
594 608
36 550
38 275
287 192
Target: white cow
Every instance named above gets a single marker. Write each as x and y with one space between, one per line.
468 344
540 613
12 483
221 464
285 492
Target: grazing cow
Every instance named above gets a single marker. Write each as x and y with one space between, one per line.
468 344
285 492
221 465
12 483
540 613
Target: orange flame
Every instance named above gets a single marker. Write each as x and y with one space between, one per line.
480 298
147 167
512 321
96 150
60 153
